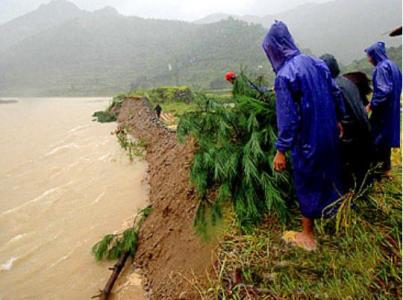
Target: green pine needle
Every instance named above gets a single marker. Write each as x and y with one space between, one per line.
233 160
112 246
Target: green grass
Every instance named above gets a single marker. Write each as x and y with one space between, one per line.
360 260
223 96
177 108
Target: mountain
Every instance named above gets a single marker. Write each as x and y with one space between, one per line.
61 50
103 53
342 27
45 17
213 18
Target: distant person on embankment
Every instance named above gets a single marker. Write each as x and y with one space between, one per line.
158 110
307 122
356 143
384 106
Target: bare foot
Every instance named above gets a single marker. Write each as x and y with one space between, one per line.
300 239
305 241
388 174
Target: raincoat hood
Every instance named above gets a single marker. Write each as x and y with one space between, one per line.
332 64
377 51
279 45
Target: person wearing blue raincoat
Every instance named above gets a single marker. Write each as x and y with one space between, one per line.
308 107
384 105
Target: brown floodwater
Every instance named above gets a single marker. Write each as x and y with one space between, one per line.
64 183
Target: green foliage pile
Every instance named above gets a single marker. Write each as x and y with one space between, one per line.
109 115
104 116
112 246
233 160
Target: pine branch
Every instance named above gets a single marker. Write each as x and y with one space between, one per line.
235 148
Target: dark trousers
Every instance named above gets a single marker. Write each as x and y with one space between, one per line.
382 157
356 162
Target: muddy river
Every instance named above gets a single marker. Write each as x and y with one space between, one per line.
64 183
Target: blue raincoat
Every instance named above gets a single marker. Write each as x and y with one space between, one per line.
385 103
307 121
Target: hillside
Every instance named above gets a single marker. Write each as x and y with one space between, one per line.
60 49
103 53
341 27
394 53
42 19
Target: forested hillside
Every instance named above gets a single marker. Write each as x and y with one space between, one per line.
44 18
60 49
341 27
103 53
394 53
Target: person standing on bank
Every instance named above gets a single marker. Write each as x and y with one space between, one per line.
158 110
384 106
307 121
356 143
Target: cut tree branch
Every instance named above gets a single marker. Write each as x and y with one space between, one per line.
117 268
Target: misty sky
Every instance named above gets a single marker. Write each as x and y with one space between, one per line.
167 9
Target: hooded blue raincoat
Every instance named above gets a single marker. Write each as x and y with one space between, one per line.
306 100
385 103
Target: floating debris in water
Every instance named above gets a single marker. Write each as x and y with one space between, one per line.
8 101
8 264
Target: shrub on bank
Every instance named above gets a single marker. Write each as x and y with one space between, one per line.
110 114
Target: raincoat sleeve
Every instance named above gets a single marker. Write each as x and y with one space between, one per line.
338 101
383 87
287 114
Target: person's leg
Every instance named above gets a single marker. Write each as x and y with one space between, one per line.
379 159
307 226
304 239
387 164
348 166
306 236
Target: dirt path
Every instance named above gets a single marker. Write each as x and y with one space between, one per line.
170 253
169 120
167 117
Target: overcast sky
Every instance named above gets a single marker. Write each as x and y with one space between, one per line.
167 9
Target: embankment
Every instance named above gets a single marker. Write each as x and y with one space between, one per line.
170 254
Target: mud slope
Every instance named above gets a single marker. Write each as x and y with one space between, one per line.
169 250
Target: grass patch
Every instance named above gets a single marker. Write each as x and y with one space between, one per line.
178 108
362 260
223 96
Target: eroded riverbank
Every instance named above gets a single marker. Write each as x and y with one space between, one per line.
170 254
